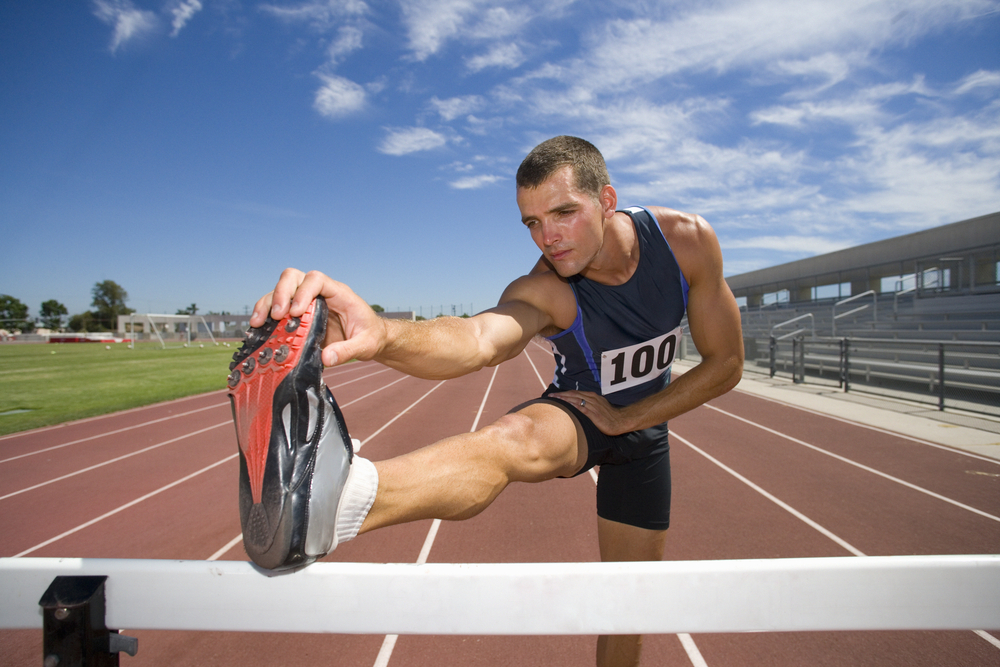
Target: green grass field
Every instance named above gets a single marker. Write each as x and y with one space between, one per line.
44 384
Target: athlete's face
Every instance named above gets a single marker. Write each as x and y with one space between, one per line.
566 224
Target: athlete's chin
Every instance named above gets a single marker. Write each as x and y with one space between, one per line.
565 266
566 270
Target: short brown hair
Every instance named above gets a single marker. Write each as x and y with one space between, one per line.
552 155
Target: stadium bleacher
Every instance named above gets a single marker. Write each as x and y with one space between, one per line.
920 308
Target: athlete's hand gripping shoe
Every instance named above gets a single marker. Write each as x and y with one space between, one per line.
295 452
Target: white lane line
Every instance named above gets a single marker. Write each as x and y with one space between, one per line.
124 507
151 422
425 550
114 460
489 388
694 655
783 505
535 368
389 643
214 556
953 450
363 377
687 642
534 341
115 432
167 442
982 634
349 367
405 410
87 420
229 545
988 637
844 459
371 393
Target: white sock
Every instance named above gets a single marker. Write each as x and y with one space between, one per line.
356 500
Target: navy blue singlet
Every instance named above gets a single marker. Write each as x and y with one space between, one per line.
625 336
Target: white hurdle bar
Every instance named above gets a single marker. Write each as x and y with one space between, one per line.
872 593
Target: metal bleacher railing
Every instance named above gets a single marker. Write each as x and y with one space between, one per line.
944 351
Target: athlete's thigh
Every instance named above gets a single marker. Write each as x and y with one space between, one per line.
544 440
622 542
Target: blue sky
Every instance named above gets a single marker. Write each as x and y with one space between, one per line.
191 149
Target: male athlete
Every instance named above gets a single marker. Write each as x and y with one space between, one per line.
609 293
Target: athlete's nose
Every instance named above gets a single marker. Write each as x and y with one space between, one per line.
550 234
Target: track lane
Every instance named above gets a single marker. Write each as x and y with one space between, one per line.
928 648
857 504
400 427
550 522
960 475
713 517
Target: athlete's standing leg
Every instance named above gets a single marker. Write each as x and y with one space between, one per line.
621 542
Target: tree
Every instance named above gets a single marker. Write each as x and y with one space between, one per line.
82 322
14 314
377 308
52 313
190 310
109 303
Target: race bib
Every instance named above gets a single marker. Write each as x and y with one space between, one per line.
635 364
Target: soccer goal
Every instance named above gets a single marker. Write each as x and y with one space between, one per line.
170 331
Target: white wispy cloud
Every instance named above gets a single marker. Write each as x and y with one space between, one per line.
475 182
339 97
504 56
128 22
452 108
724 36
808 245
900 150
182 12
753 112
320 15
348 39
430 23
980 79
405 140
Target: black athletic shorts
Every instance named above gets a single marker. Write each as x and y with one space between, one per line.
633 483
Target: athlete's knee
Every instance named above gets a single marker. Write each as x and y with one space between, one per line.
537 448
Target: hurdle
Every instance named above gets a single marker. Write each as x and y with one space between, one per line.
771 595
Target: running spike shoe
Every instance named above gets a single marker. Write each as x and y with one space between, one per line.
295 451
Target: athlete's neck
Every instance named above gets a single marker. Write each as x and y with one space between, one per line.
618 257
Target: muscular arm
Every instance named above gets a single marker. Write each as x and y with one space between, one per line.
448 347
445 347
714 321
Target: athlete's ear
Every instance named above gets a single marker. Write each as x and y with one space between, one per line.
609 200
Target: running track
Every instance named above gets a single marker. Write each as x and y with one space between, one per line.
753 478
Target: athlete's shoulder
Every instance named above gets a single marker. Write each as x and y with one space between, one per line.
691 238
678 224
546 290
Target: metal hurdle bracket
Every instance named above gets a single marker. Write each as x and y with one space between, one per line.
73 629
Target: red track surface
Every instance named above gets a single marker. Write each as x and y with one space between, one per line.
161 482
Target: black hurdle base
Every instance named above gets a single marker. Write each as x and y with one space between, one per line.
73 628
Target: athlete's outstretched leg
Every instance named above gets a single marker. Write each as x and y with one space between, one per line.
460 476
621 542
302 491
